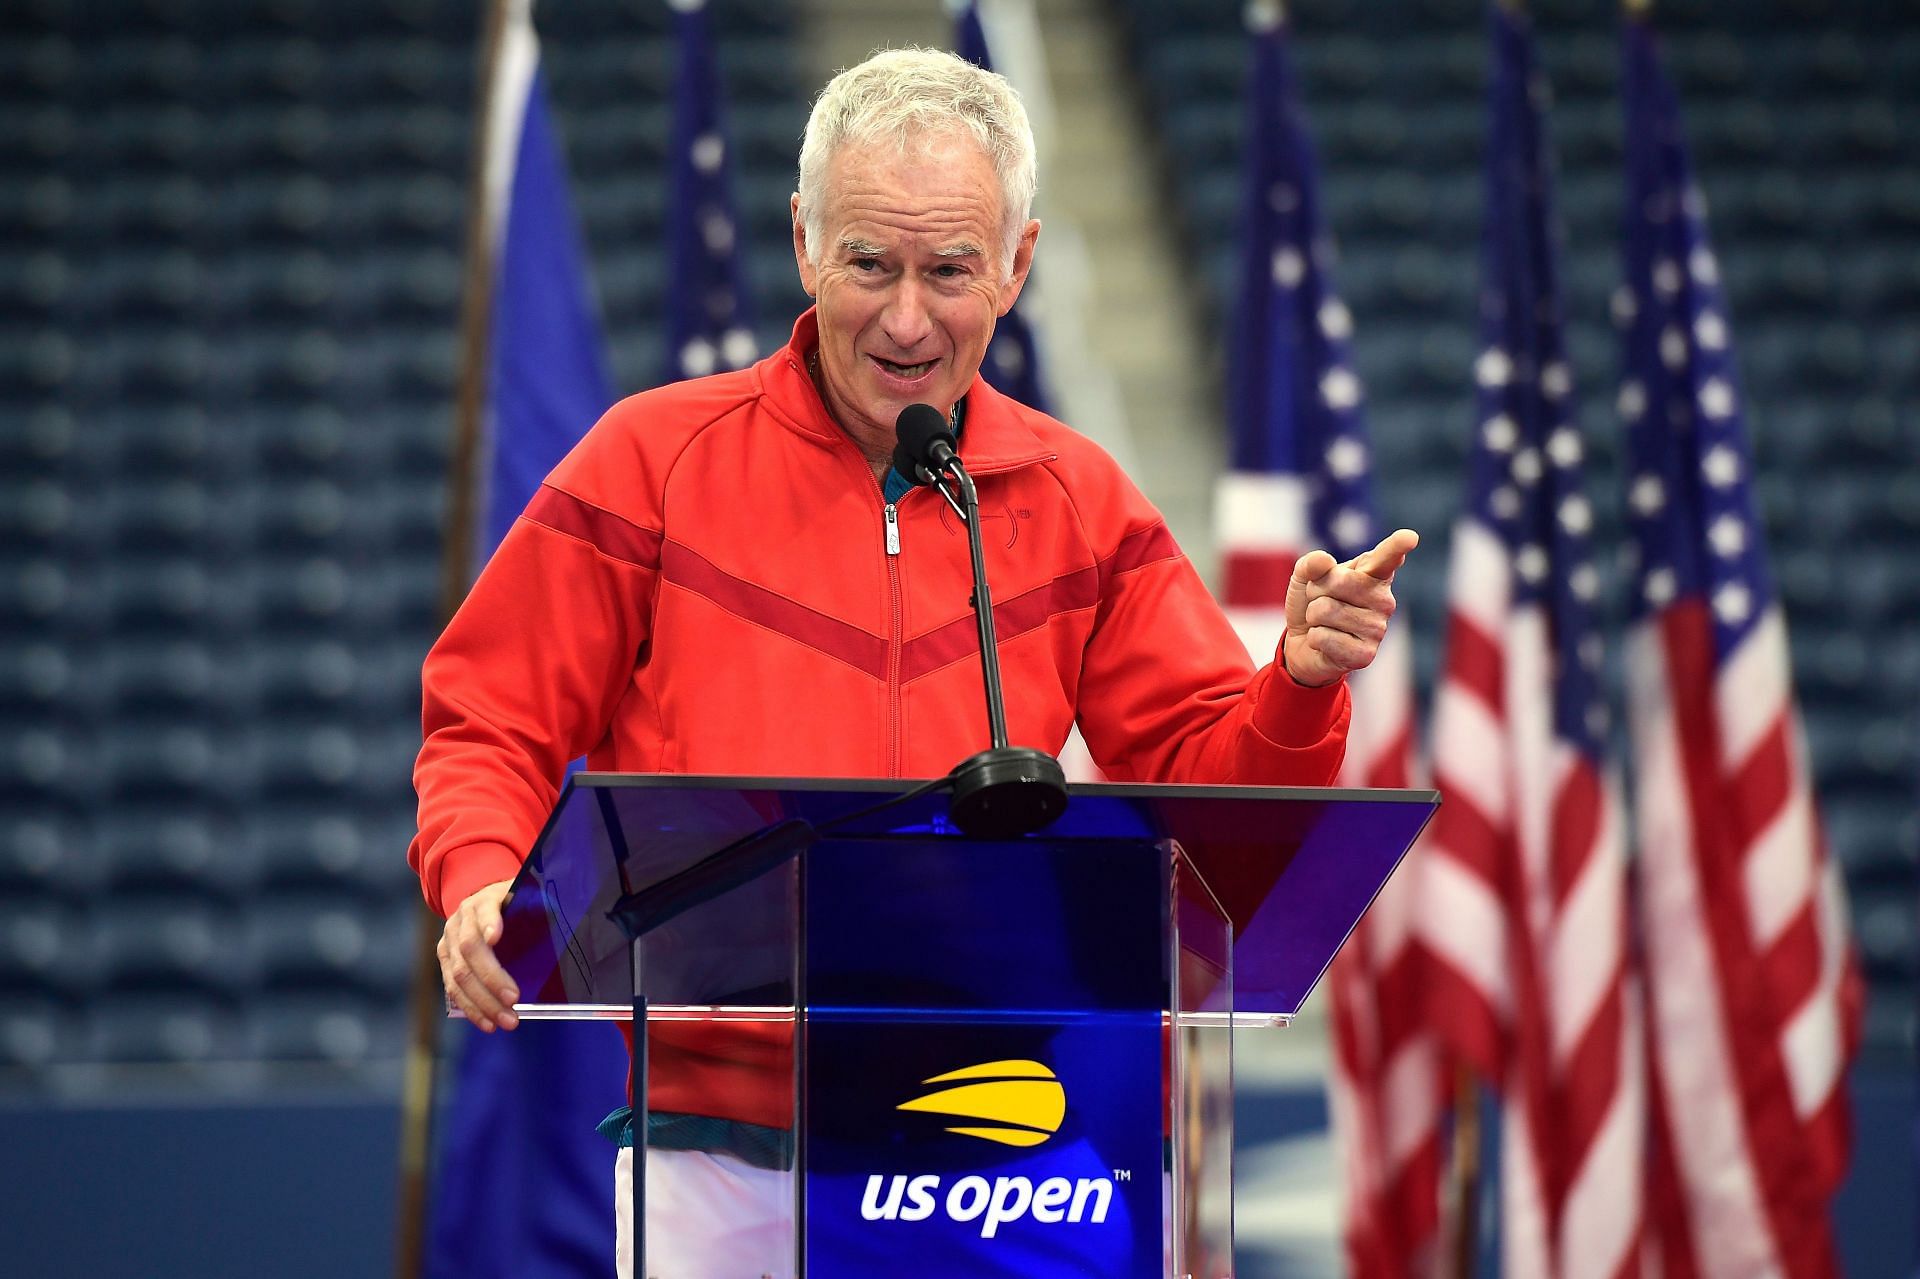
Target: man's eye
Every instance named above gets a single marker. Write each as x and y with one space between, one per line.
948 271
866 265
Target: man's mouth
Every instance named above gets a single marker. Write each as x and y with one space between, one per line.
904 371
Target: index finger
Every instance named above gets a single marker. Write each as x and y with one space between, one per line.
1384 560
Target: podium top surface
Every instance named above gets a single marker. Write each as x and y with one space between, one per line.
1293 868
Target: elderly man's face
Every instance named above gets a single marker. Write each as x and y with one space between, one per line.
911 278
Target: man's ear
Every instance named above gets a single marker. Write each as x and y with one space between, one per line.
809 276
1022 264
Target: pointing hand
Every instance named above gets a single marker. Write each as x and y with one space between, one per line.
1337 613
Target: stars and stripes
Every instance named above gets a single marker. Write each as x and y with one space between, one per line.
1013 363
1524 882
709 325
1301 479
1752 1005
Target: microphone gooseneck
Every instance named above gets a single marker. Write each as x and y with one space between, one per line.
1005 790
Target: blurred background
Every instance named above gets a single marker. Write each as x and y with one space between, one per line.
231 264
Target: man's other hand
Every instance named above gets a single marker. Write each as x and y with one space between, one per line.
1337 613
474 980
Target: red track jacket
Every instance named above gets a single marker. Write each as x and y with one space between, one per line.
710 583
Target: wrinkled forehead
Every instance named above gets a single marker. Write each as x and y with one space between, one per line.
922 164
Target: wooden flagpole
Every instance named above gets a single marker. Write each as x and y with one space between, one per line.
1464 1194
427 1001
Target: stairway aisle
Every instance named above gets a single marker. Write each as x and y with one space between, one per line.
1122 357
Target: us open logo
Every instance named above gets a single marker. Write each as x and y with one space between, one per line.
1018 1103
1011 1103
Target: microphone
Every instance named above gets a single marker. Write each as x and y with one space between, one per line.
926 445
1004 790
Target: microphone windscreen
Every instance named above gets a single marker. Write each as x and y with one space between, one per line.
916 430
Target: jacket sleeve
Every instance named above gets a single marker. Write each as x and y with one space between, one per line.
1167 693
526 678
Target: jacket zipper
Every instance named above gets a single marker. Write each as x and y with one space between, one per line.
894 638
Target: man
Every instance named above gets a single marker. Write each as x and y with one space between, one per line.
725 576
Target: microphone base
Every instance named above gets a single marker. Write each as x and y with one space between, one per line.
1007 791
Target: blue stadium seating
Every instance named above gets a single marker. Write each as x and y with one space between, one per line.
230 279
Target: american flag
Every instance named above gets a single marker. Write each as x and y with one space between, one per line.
1013 356
1753 996
1302 478
1524 886
709 328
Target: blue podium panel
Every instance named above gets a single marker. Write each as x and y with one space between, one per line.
984 1057
945 1056
1294 868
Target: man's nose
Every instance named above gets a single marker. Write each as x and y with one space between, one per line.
906 320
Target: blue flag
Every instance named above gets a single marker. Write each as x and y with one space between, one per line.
709 324
525 1185
1013 357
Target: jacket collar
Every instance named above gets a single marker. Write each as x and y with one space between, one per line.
995 439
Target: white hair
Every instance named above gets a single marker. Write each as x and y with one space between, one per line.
903 96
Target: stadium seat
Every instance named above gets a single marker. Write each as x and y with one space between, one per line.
162 1027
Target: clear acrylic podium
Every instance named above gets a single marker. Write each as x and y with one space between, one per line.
948 1057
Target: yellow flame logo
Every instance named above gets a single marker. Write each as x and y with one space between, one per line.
1022 1102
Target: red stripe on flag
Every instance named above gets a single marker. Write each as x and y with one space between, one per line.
1830 1137
1760 787
1397 989
1476 662
1589 1081
1255 579
1791 965
1464 834
1388 768
1466 1019
1790 1186
1576 828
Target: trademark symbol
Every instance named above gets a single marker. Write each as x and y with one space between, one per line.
1123 1174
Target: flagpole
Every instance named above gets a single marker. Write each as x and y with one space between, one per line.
1465 1173
426 1002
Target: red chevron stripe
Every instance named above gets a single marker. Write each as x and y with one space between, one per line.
842 641
959 639
614 536
1137 550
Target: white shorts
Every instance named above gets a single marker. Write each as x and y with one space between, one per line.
688 1191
